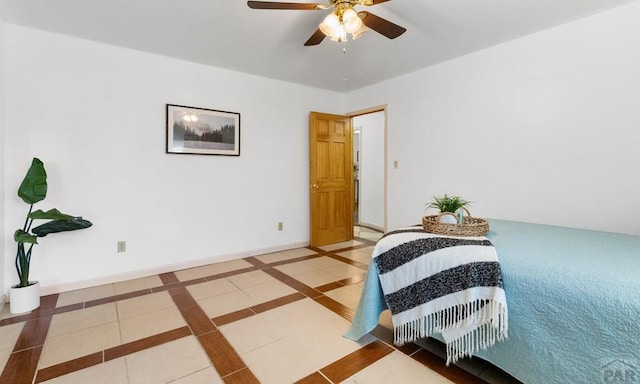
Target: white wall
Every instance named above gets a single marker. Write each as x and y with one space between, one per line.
3 229
371 203
95 114
544 128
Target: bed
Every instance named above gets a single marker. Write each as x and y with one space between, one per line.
573 299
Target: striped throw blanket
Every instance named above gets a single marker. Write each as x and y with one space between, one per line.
442 284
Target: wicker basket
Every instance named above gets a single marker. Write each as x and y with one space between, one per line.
471 226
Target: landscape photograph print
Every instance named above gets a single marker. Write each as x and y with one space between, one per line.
201 131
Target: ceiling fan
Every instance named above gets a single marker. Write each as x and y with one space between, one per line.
343 20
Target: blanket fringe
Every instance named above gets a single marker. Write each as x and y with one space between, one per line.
487 319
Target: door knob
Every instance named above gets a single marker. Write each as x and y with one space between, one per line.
315 186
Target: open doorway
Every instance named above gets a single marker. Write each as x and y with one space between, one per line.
369 153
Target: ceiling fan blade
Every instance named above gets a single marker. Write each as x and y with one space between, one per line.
315 39
380 25
279 5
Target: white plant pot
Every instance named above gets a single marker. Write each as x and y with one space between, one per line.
448 219
25 299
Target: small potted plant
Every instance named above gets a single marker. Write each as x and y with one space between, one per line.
25 296
450 208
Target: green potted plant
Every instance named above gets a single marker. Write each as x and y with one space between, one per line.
25 296
451 205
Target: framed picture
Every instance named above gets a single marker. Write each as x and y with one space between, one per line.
202 131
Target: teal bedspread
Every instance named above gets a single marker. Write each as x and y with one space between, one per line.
573 298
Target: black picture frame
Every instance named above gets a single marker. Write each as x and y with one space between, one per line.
202 131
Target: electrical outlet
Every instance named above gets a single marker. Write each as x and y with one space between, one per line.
122 246
280 226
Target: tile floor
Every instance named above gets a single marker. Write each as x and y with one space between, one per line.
274 318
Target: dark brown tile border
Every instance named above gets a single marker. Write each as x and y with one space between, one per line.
314 378
336 307
182 298
224 358
229 273
169 278
329 287
233 316
356 361
284 300
33 334
243 376
21 366
119 297
198 320
68 367
349 261
147 342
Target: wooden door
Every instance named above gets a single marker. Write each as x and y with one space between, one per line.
331 178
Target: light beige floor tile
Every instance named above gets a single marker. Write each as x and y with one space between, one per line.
144 304
137 284
294 269
195 273
274 257
265 292
344 271
167 362
204 376
231 265
323 262
111 372
369 234
9 335
306 348
397 368
316 278
299 252
254 332
308 317
385 319
225 303
362 255
5 353
72 345
348 296
86 294
151 323
211 289
345 244
86 318
284 361
250 279
5 312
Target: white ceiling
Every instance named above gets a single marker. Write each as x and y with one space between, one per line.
227 34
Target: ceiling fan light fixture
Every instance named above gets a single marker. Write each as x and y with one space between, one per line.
358 34
339 34
351 20
329 24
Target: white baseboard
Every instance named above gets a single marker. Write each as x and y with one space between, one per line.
71 286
